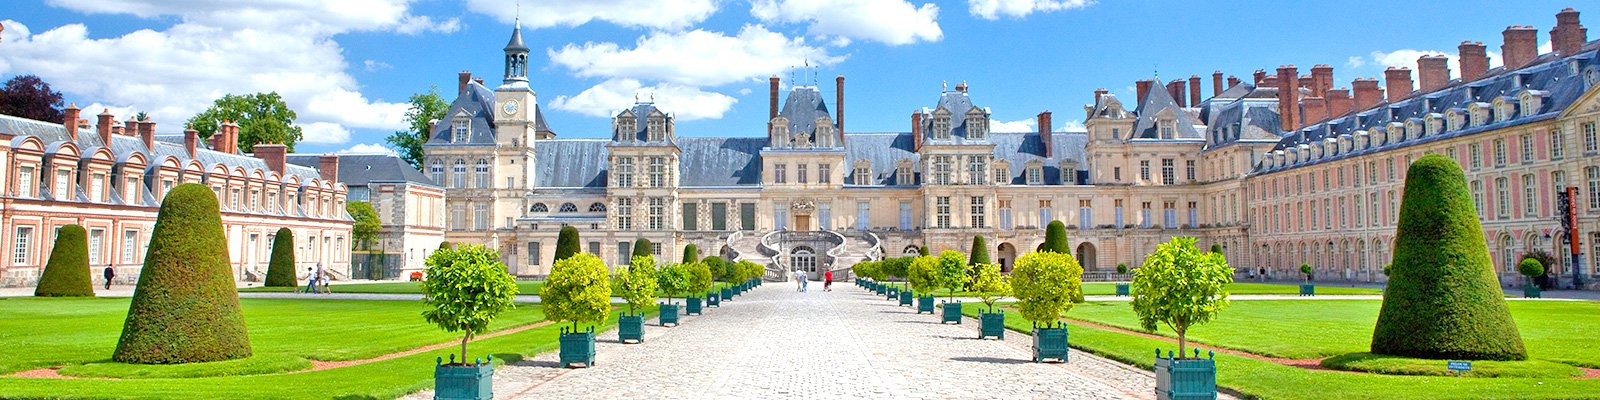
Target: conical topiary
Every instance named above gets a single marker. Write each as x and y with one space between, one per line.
691 253
280 269
979 253
1055 238
567 243
641 248
67 272
1444 300
185 308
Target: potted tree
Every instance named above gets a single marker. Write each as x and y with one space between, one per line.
1308 288
863 272
952 274
1180 286
467 287
1530 268
894 269
672 279
577 291
698 285
991 286
636 283
1044 283
1122 288
720 274
924 279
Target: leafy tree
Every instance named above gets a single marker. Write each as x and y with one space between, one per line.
1055 238
1444 299
898 267
67 272
699 278
577 290
1305 269
425 108
951 272
567 243
980 251
1530 268
924 275
465 290
866 269
691 253
280 269
185 308
721 270
28 96
990 284
1122 268
262 118
1044 283
673 279
1180 286
749 270
366 225
642 247
637 283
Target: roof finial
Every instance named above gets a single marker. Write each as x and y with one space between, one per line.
519 14
944 86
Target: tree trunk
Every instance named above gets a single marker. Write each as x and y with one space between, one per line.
464 339
1181 343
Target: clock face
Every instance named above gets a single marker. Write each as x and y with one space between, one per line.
511 107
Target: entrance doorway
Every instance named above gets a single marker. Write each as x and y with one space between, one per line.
1086 256
802 223
804 259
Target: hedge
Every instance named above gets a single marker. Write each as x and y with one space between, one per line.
280 270
67 272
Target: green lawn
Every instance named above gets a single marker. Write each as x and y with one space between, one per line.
523 287
1110 288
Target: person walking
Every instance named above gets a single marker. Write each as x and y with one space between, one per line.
805 281
1263 275
322 277
795 275
110 273
827 281
311 280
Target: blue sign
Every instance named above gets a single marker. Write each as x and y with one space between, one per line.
1460 365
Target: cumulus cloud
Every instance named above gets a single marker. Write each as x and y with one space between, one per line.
696 58
1021 125
367 148
324 133
610 97
1355 62
1408 58
661 14
994 9
1071 126
893 22
416 25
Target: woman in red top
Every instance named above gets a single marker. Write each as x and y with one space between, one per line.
827 281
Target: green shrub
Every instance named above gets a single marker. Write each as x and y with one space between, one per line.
642 247
1444 299
923 251
1122 268
923 274
898 267
577 290
721 270
866 269
67 273
280 269
185 308
445 245
1055 238
751 270
1180 286
1044 284
636 283
1216 248
951 272
465 290
980 251
699 278
1544 257
567 243
673 280
990 284
691 253
1530 267
1305 269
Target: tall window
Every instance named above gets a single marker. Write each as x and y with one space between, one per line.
481 172
97 242
824 173
1529 195
978 170
1499 152
22 253
1593 174
1045 213
1477 196
1085 214
1590 144
905 216
459 172
130 246
942 212
130 190
624 214
436 172
1527 148
800 174
1189 170
1144 214
690 215
1390 163
863 215
480 216
825 216
63 184
1502 197
624 172
458 216
459 131
1144 170
25 183
97 187
780 173
533 253
1004 214
719 216
1167 172
942 169
657 213
658 172
1558 146
979 212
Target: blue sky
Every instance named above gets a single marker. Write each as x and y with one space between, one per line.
347 67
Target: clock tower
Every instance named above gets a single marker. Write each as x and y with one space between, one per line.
516 112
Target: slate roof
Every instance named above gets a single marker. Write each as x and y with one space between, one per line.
803 107
958 103
360 169
1154 104
641 114
477 102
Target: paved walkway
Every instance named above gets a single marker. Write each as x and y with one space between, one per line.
775 343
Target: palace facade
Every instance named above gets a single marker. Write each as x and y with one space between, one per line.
1280 170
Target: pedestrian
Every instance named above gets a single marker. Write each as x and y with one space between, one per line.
311 280
799 282
805 281
110 274
1263 274
322 277
827 281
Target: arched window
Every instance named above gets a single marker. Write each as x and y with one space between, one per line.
597 207
458 172
539 208
1508 254
569 207
482 173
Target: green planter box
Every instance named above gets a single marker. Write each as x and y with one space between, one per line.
669 315
713 300
727 293
692 306
1186 378
1122 289
577 347
1532 291
881 289
630 327
893 294
1050 343
925 304
463 382
905 298
952 313
993 325
1308 290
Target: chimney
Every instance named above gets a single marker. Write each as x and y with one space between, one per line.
1268 81
191 141
1194 90
1143 87
1367 93
1233 81
69 120
130 127
328 166
1434 71
1044 131
1568 37
478 80
1258 75
838 88
1305 82
1398 81
274 154
961 87
1321 80
147 134
1099 93
1521 46
916 129
1339 102
1288 98
772 100
1216 83
1175 89
462 79
1315 109
104 126
233 137
1474 60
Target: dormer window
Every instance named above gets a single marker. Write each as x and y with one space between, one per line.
863 173
1034 173
1532 101
780 132
459 129
1069 171
1002 172
1168 129
1454 120
1477 114
1504 110
1432 125
977 124
940 129
824 132
656 127
627 126
903 175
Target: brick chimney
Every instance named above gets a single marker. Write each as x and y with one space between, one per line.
1474 60
273 154
1321 80
462 79
1259 75
1268 81
1568 37
1045 128
1175 89
1216 83
1367 93
1143 87
1315 109
772 98
1288 97
69 120
1232 81
1306 82
1398 81
1521 46
1099 93
328 166
478 80
1434 72
1339 102
916 130
1194 90
838 88
147 134
191 141
103 127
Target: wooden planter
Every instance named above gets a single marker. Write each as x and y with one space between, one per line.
925 304
1532 291
905 298
1050 343
1122 289
1308 289
463 382
881 289
577 347
893 294
1186 378
713 300
669 314
727 294
993 325
952 313
630 327
692 306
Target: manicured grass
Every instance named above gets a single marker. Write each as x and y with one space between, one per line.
1393 365
1110 288
523 288
284 334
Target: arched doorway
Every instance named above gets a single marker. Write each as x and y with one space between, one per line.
1008 256
911 250
805 259
1086 256
726 253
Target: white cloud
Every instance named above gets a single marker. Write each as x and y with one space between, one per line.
1355 62
661 14
303 16
893 22
416 25
1022 125
694 58
375 65
1071 126
324 133
610 97
994 9
1408 58
367 148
